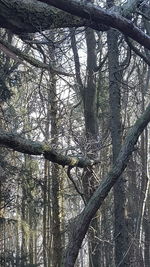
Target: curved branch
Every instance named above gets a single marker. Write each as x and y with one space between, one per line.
28 16
74 183
34 16
100 16
34 62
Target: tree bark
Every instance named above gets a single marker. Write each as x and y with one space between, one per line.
91 129
18 16
120 229
57 242
101 16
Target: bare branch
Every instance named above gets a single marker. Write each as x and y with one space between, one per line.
137 51
34 62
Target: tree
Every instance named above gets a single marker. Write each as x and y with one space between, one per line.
99 19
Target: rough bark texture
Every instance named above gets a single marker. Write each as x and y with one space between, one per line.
100 16
28 16
34 16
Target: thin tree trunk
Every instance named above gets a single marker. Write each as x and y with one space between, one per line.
57 246
147 233
23 220
89 96
144 186
91 127
45 213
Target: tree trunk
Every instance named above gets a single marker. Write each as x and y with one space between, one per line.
91 128
89 96
23 221
57 246
147 234
120 230
45 213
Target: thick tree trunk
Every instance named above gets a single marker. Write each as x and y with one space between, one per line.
120 229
